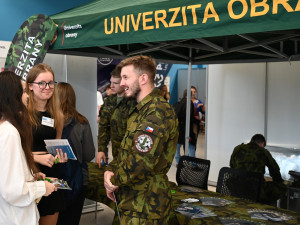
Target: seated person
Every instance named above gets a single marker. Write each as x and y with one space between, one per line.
254 157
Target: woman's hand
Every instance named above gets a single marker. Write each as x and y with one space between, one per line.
100 156
49 188
39 176
62 158
44 159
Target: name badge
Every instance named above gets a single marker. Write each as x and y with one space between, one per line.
46 121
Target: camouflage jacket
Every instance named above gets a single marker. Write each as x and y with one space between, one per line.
113 122
148 149
253 158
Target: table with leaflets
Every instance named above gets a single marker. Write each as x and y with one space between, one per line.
211 208
214 208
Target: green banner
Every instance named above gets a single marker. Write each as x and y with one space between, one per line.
98 24
30 44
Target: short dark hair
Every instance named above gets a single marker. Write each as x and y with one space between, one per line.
258 139
115 73
193 87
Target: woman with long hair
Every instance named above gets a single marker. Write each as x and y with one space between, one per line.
181 115
19 187
165 93
46 120
81 138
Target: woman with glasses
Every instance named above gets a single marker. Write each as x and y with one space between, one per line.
19 186
47 123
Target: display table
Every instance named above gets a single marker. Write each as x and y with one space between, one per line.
239 209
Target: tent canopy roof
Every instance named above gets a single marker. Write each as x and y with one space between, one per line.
216 31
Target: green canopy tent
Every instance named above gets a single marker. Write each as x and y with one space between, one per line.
193 32
215 31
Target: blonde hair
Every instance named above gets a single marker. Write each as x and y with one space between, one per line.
52 105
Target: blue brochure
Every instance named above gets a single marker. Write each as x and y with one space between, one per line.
63 144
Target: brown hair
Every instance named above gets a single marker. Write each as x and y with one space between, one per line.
166 95
13 110
142 64
52 105
115 73
67 99
194 88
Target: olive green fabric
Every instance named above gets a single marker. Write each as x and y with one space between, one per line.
253 158
100 23
30 44
239 209
130 218
148 149
95 189
113 122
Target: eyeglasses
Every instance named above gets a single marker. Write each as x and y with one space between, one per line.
43 84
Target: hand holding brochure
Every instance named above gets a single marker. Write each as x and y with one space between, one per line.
63 144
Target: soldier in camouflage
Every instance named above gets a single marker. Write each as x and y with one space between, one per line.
113 122
254 157
140 179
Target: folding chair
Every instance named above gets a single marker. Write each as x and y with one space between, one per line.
193 171
239 183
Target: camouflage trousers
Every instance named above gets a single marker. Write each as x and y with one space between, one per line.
271 192
127 218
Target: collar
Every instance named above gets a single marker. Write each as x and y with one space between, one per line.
155 93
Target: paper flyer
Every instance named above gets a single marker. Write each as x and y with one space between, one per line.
194 211
268 215
63 144
213 201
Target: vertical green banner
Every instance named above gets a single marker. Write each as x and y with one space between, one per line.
30 44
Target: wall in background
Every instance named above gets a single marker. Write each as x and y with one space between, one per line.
245 99
15 12
81 73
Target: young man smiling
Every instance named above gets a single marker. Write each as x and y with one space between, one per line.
138 177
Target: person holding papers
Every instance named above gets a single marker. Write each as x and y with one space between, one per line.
81 138
46 119
19 186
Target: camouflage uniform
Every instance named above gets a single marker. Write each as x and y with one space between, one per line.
113 122
112 126
30 44
253 158
148 149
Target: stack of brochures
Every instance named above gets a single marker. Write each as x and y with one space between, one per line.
194 211
213 201
268 215
63 144
61 184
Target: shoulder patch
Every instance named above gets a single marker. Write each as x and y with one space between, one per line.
144 143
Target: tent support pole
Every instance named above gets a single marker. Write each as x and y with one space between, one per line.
188 103
266 104
66 66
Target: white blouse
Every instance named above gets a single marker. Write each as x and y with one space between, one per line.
18 192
